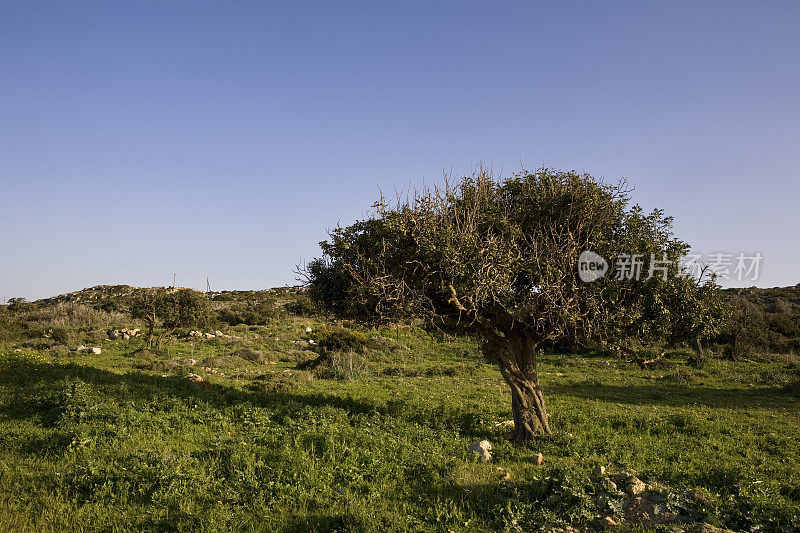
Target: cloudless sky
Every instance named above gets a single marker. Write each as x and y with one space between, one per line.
221 139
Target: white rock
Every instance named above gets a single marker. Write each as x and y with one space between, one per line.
96 351
482 448
208 336
80 348
191 362
309 330
218 333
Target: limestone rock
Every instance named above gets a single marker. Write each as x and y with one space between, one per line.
96 350
634 486
482 448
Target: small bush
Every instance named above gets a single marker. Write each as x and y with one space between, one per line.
223 361
274 382
61 335
60 351
254 356
303 306
681 375
342 366
775 377
342 340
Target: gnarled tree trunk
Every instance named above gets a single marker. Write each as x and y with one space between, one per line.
162 336
516 357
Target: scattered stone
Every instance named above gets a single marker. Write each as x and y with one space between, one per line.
538 459
600 471
124 333
18 350
504 424
96 350
219 334
482 448
694 496
309 330
634 486
208 336
194 378
608 521
80 348
191 362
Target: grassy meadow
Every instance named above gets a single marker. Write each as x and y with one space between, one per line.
376 438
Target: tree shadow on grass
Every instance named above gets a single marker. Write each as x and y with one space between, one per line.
679 395
35 391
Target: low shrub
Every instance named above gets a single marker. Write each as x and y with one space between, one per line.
61 335
342 340
342 366
274 382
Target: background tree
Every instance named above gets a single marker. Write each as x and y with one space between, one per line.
499 257
171 310
745 329
144 306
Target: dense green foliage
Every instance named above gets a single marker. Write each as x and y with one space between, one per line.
495 255
762 320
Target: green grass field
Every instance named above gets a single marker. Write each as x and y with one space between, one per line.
123 441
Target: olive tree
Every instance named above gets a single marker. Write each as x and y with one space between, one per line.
170 309
500 258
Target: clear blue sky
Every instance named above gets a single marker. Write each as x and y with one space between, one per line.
142 139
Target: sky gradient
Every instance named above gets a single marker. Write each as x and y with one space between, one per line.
220 139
